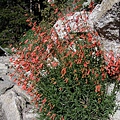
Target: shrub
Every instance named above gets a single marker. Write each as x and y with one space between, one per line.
13 15
76 89
13 22
67 78
28 36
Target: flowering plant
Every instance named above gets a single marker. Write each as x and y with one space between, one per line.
65 76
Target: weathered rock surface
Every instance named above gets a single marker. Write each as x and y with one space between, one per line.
100 10
108 25
15 104
105 18
72 22
5 83
2 113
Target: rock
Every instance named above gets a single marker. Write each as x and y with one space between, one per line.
15 104
100 10
24 102
2 113
9 102
116 116
22 93
5 83
105 19
5 86
108 24
3 68
72 22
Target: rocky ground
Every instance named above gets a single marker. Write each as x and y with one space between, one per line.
14 102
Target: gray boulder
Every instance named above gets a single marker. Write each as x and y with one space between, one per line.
108 25
9 102
105 19
2 113
5 84
15 103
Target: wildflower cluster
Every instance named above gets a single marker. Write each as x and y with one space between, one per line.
113 65
66 77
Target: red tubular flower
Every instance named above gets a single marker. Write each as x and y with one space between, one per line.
41 66
97 88
41 108
52 5
88 72
33 28
89 37
44 101
63 71
28 20
103 76
91 6
98 53
85 64
68 28
56 10
66 80
48 114
24 87
54 64
42 34
53 117
82 36
62 118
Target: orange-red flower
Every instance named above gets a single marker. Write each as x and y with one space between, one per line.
86 64
44 101
53 117
42 34
24 87
56 10
89 37
63 71
97 88
62 118
48 114
66 80
54 64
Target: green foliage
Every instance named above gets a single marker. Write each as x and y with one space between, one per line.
73 95
13 22
29 35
